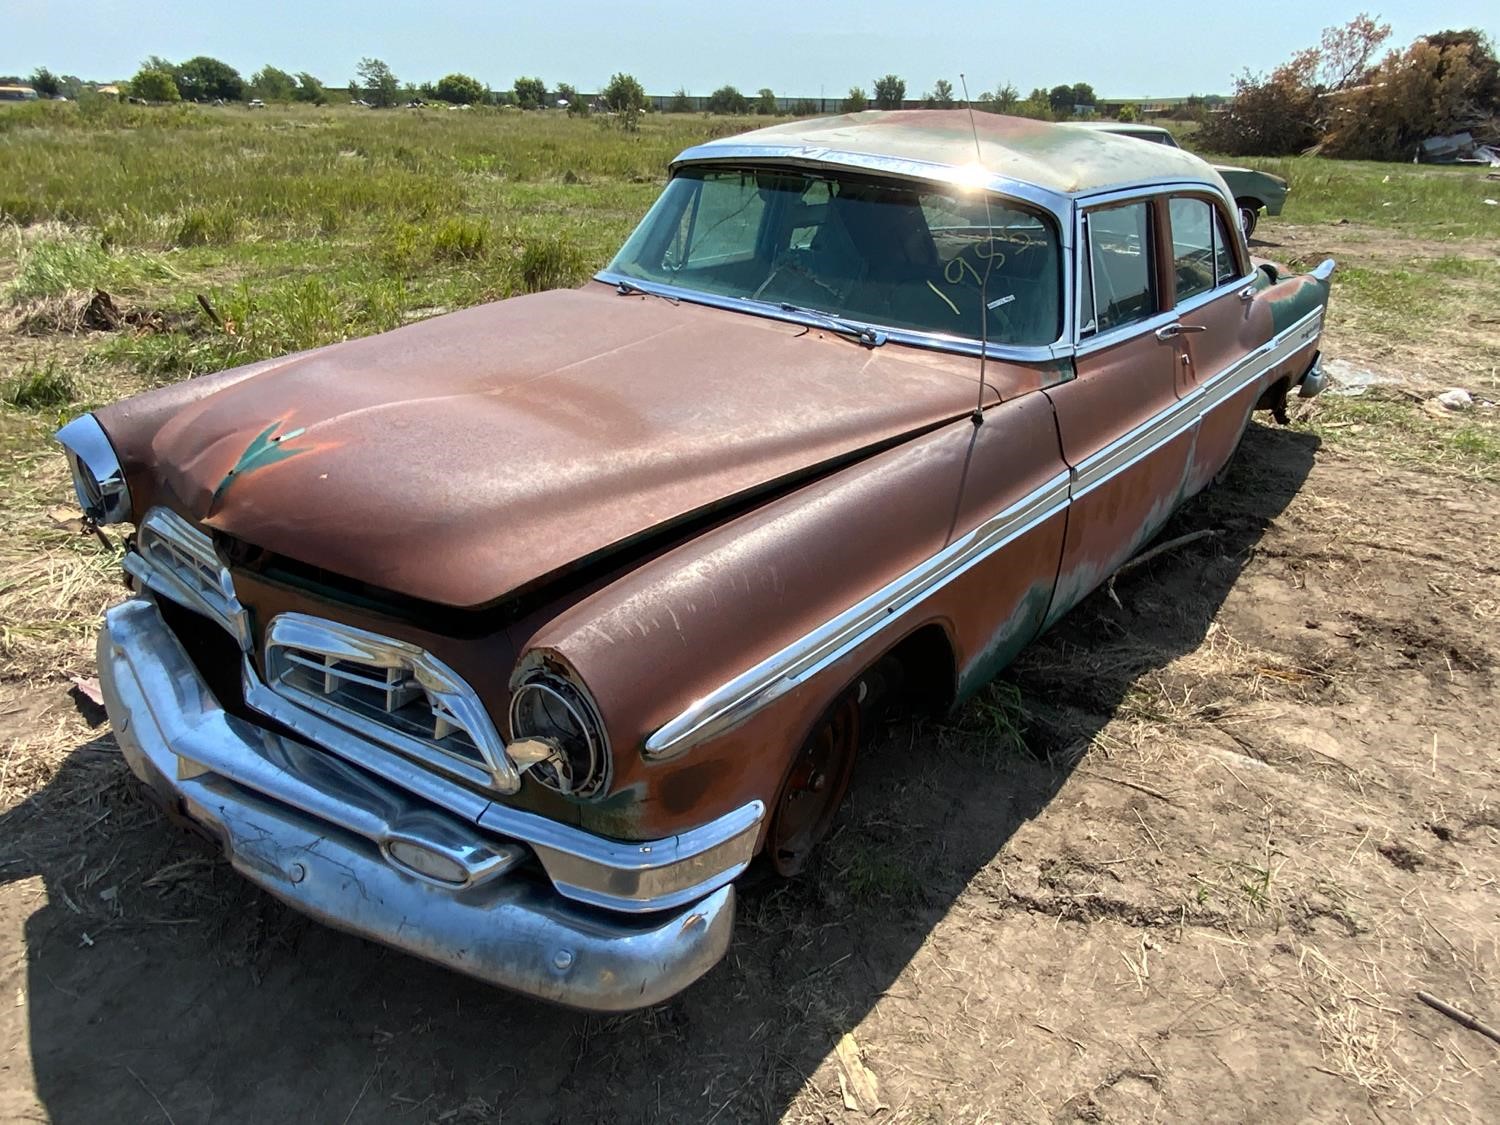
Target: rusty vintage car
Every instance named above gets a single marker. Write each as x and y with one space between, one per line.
512 637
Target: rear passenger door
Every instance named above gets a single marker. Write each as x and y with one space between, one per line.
1126 432
1220 327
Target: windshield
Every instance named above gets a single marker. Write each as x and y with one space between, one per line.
896 255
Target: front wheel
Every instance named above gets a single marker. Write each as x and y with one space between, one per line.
814 786
1249 215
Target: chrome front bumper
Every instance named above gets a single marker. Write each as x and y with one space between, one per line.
319 833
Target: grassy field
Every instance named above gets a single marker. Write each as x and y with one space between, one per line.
1188 859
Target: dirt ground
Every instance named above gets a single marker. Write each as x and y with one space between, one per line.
1191 859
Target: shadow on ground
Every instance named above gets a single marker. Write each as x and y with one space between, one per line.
160 987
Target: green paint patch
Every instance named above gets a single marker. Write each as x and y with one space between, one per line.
267 448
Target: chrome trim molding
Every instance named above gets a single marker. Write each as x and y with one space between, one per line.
784 670
300 825
1188 411
960 345
450 701
799 661
98 479
176 560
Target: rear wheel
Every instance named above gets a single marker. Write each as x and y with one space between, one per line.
814 786
1249 214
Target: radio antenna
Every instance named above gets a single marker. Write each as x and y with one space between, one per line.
989 259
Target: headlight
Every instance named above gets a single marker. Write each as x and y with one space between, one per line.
97 477
555 725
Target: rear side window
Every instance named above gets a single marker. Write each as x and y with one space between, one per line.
1202 258
1118 286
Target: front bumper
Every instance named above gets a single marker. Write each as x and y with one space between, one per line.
326 837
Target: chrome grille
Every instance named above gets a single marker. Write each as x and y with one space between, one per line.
391 692
176 560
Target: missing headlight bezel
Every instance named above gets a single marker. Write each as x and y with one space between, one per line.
574 771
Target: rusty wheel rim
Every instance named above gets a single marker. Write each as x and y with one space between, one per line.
814 787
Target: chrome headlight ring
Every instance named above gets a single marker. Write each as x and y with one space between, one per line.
553 711
98 478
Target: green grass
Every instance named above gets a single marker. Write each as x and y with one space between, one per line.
1462 445
1444 203
44 386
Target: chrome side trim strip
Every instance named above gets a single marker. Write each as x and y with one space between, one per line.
804 658
1187 412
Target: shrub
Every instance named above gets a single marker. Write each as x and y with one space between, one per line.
459 89
890 92
728 100
41 388
154 85
550 262
1421 92
624 93
855 102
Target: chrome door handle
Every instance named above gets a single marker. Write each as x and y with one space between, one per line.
1171 331
1247 293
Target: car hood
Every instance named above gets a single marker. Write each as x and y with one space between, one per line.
476 454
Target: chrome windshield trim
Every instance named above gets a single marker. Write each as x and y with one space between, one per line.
951 175
809 655
958 345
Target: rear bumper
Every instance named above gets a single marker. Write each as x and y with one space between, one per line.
326 837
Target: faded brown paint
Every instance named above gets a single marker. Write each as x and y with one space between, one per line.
517 439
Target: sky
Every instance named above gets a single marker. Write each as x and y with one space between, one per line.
1122 48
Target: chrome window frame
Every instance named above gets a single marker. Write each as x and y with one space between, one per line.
1147 192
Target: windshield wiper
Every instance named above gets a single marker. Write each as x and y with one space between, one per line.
863 333
630 288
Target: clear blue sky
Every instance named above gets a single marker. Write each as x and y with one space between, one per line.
1123 48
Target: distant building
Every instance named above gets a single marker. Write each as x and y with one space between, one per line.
17 94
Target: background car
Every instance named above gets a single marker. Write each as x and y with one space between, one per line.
1254 191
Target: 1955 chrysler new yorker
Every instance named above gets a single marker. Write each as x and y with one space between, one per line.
510 638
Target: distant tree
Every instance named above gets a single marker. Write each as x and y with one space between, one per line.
1006 98
1038 104
765 102
728 100
679 102
531 93
890 92
805 107
377 82
1481 57
1060 98
855 102
1421 92
623 93
309 89
459 89
203 79
427 91
152 84
1128 112
940 96
45 83
1083 94
273 85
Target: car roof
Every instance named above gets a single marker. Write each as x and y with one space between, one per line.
1059 159
1119 127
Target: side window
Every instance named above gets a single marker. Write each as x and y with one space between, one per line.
1193 260
1117 283
1225 267
1202 256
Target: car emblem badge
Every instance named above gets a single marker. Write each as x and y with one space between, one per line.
267 448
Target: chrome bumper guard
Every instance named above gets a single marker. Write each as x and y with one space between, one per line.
361 855
1315 380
